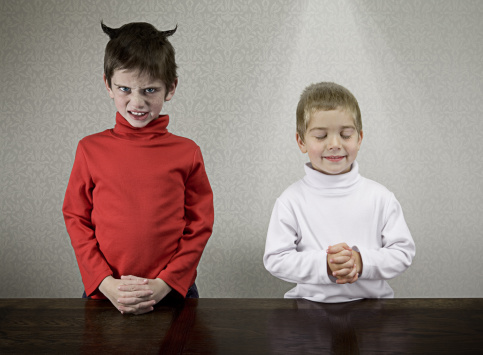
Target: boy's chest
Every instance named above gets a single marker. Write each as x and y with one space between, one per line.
138 171
329 221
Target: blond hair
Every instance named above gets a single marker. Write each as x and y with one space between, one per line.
325 96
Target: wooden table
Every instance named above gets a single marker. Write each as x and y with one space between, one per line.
243 326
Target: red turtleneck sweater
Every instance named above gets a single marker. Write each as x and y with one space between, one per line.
138 203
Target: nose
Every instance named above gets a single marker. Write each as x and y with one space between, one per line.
137 100
333 142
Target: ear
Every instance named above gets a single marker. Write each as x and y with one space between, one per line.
109 90
300 143
360 140
171 90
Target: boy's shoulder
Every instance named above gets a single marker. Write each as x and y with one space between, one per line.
95 136
374 185
293 192
377 190
183 140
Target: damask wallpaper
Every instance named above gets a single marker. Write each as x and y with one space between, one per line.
415 67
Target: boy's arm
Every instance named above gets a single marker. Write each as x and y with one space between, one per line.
77 210
281 257
398 248
199 216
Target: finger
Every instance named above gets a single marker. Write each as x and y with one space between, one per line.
347 266
133 281
350 277
342 246
352 273
126 309
139 308
135 301
137 295
334 249
132 288
144 294
340 259
132 277
115 303
345 281
338 270
134 309
347 270
342 281
341 274
346 253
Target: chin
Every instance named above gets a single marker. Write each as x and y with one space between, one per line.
334 171
138 124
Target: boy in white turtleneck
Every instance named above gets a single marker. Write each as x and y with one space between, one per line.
334 233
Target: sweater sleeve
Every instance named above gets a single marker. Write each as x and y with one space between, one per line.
77 210
398 248
180 272
282 257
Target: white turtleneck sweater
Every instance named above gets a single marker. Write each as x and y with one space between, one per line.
322 210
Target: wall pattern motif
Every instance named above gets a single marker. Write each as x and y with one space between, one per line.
415 67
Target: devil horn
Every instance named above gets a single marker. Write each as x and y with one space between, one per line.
111 32
168 33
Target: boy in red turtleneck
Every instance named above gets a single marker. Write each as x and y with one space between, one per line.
138 207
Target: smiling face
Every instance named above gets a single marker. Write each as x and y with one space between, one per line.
138 98
331 141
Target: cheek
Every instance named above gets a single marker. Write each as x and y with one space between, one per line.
355 149
118 101
158 106
315 149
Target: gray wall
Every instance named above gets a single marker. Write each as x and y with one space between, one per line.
415 66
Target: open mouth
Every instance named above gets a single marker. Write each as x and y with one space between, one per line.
138 115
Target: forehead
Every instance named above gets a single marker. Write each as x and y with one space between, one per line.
331 119
134 77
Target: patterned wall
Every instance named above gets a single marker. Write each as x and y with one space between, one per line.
414 65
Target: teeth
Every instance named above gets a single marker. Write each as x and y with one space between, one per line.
138 113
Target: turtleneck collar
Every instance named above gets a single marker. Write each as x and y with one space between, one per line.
332 184
154 129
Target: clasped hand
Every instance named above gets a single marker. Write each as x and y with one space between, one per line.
132 294
343 263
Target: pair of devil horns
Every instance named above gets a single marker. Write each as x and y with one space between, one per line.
140 27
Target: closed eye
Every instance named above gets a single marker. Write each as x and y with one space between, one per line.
347 133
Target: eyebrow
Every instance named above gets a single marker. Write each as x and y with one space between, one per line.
147 87
324 128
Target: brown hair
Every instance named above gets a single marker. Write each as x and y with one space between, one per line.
140 46
325 96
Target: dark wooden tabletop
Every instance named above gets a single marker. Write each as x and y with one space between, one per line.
243 326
